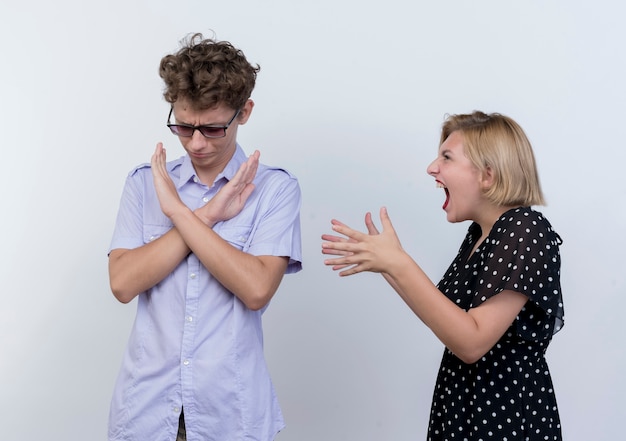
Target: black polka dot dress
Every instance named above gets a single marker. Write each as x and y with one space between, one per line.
508 394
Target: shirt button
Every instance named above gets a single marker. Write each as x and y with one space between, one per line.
176 409
190 319
195 179
192 275
152 238
205 199
186 362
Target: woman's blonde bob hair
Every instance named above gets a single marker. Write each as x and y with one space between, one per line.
496 143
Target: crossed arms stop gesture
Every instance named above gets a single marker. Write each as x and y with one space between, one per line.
254 279
226 204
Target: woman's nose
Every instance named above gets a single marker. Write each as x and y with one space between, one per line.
433 168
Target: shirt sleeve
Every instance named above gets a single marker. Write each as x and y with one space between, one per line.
277 231
128 231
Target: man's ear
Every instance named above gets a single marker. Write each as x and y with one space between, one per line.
245 112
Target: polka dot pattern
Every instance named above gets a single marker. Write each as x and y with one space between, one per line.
508 394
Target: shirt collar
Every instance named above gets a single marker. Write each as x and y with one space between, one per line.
188 173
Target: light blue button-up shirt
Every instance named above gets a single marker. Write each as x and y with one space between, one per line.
194 344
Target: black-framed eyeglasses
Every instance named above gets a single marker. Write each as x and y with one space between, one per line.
208 131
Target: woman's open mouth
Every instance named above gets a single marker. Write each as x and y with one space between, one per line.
440 185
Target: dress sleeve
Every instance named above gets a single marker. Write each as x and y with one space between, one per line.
523 256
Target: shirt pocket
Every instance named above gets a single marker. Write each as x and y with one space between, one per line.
237 235
153 232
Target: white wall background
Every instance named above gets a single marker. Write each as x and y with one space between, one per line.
350 98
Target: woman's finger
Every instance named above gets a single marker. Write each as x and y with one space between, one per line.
369 223
385 219
342 228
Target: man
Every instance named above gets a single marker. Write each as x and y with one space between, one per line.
203 242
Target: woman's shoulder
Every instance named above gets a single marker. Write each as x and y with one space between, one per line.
523 217
527 214
526 221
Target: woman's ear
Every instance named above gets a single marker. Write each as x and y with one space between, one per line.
487 180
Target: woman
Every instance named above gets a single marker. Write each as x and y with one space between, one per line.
499 302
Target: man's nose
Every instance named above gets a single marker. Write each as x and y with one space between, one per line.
198 140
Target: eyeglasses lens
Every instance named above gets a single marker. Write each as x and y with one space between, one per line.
187 131
212 132
181 130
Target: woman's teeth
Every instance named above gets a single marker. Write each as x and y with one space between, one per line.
440 185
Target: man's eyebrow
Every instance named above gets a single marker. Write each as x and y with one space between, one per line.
218 125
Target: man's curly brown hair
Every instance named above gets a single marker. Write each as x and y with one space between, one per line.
207 73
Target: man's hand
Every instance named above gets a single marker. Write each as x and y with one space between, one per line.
230 200
166 190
